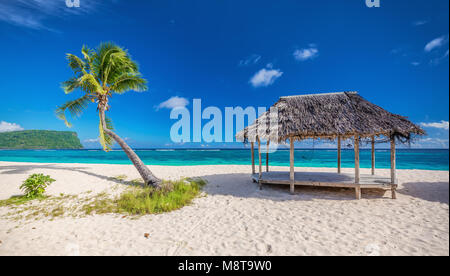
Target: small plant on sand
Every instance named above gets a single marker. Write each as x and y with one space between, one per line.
35 185
34 188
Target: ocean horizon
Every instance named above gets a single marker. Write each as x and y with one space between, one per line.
420 159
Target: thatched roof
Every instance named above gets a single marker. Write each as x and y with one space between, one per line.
330 115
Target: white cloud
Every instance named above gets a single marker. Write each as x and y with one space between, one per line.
306 53
432 143
420 22
438 60
96 140
8 127
265 77
415 63
253 59
396 51
440 125
33 14
173 103
436 43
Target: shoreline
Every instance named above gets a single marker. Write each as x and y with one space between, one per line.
119 149
195 165
234 217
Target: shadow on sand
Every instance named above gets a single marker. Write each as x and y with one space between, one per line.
22 169
241 185
429 191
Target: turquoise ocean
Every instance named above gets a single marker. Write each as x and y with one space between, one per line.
422 159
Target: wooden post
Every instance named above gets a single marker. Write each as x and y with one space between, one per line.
393 169
253 158
358 192
259 158
292 172
339 155
267 156
356 159
358 188
373 155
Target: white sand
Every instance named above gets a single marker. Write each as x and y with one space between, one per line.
236 218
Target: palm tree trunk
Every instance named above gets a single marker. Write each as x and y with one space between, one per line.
146 174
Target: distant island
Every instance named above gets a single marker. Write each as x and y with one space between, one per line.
40 139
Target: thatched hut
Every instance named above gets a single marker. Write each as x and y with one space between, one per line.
331 116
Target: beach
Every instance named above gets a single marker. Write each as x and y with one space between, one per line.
233 217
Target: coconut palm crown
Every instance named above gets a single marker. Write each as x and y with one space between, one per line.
99 74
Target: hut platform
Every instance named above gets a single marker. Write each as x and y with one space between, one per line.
330 116
342 180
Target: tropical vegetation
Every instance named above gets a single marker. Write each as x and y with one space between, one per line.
99 74
40 139
134 201
148 200
35 185
34 188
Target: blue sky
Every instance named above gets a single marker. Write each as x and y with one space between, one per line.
227 53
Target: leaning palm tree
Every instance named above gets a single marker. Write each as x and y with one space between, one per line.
99 74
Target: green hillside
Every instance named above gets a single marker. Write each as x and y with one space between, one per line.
40 139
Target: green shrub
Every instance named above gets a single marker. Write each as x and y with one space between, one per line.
35 185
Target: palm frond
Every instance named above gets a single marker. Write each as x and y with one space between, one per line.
129 81
74 107
108 68
104 52
76 64
70 85
90 85
87 53
113 61
88 56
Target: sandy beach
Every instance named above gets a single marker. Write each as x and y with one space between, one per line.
234 217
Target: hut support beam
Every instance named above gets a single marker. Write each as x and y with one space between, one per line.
292 172
373 155
253 158
393 169
339 155
358 192
267 157
260 164
357 176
